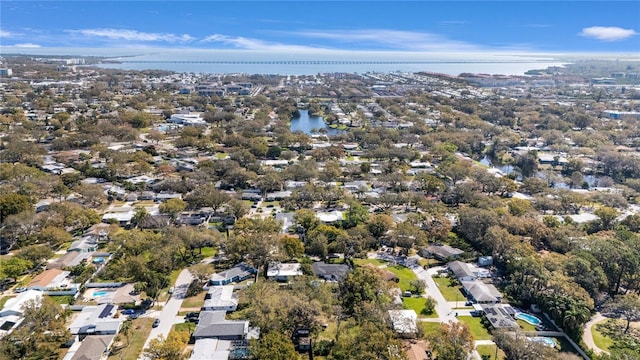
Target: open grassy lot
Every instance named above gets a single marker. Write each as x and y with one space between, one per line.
417 304
490 352
362 262
194 301
4 299
404 274
478 330
62 300
450 293
601 339
430 328
140 329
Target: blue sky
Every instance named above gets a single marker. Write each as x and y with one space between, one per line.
293 26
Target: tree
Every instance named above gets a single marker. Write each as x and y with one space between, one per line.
35 254
206 196
13 203
379 224
628 306
306 219
292 247
357 214
369 340
14 267
429 306
274 346
363 285
41 333
607 217
520 348
171 348
453 341
201 272
173 207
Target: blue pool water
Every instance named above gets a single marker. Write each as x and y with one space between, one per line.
547 341
97 294
528 318
98 260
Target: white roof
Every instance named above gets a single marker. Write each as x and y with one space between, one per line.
280 269
207 349
331 216
15 305
404 321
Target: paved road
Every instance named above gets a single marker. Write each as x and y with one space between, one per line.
443 309
168 315
587 336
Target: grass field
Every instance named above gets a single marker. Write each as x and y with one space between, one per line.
67 299
404 274
430 328
140 329
478 331
490 351
601 340
525 326
194 301
376 262
417 304
450 293
4 299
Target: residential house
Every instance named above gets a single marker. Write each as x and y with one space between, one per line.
12 312
97 320
94 347
213 325
461 271
330 272
283 272
238 273
404 322
220 298
53 282
442 252
481 293
500 316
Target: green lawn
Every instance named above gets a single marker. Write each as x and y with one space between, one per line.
478 331
490 350
330 332
417 304
362 262
602 341
62 300
208 251
450 293
221 156
140 329
405 275
3 300
525 326
194 301
430 328
186 326
565 345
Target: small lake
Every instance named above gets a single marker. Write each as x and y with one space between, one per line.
311 124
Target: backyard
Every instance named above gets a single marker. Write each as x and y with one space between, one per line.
478 331
140 329
417 304
489 351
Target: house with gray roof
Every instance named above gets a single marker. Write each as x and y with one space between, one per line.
214 325
220 298
442 252
238 273
330 272
97 320
462 271
481 293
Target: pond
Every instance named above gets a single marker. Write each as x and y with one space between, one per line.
311 124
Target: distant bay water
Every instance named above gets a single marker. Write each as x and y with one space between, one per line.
296 63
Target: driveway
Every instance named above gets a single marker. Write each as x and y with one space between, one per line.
443 309
587 336
168 316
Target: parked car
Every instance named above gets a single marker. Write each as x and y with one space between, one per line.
20 289
128 312
156 323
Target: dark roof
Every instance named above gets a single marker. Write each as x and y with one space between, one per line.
330 271
443 251
212 324
500 316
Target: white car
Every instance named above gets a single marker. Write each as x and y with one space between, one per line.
20 289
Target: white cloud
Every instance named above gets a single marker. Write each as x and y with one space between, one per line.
6 34
255 44
607 33
395 39
132 35
27 45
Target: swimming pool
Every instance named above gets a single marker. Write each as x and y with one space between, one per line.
98 260
100 293
528 318
546 341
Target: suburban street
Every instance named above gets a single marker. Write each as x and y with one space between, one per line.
168 315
